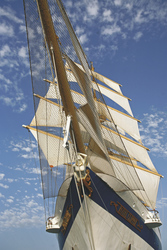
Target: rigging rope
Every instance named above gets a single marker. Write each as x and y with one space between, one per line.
112 139
77 188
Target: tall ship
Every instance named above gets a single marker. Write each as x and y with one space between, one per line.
99 184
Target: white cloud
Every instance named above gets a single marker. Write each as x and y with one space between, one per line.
18 169
129 6
138 35
22 108
28 213
23 52
33 170
9 200
15 149
69 4
24 146
4 186
130 19
28 183
27 156
1 176
22 28
83 38
114 47
118 2
2 196
8 81
5 50
79 30
10 180
92 8
107 16
139 18
162 203
110 30
9 13
40 195
153 129
7 101
32 203
27 149
6 30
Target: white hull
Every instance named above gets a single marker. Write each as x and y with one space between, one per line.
107 220
108 232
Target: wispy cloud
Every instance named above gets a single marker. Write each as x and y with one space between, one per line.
5 50
116 20
107 16
10 14
118 2
111 30
4 186
14 58
92 8
27 149
162 203
153 132
2 196
26 212
6 30
1 176
138 35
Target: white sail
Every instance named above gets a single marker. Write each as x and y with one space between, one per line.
48 114
52 147
150 183
89 108
107 81
88 127
53 91
77 97
127 174
99 164
102 78
127 123
114 96
122 120
135 150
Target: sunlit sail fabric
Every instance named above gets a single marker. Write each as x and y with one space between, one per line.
119 99
77 97
107 81
114 96
150 183
90 109
127 123
48 114
51 146
115 86
134 149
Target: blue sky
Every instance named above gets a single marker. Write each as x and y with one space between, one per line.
127 42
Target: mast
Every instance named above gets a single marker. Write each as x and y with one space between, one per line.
55 53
